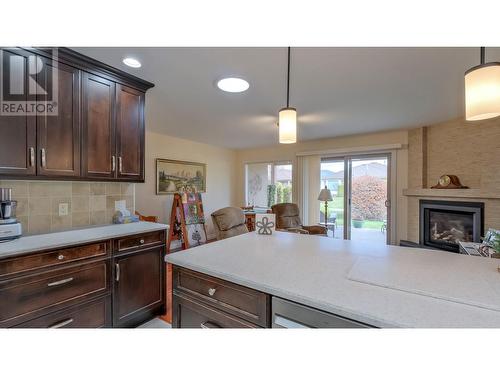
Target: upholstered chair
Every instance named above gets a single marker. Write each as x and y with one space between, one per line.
229 222
287 219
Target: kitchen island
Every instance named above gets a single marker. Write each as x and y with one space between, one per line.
360 282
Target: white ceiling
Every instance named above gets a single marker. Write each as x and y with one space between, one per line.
337 91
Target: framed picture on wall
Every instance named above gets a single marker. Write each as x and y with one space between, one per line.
176 176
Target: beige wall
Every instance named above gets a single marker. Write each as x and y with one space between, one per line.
220 175
469 150
288 153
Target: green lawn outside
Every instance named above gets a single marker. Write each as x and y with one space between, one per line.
337 206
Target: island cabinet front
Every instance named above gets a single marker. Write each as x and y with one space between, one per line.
202 301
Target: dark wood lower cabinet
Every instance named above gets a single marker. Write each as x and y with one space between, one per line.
139 287
86 286
93 314
202 301
191 313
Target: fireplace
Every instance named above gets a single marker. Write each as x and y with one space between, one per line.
444 223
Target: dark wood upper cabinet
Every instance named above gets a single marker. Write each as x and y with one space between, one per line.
98 142
59 135
130 132
139 283
98 131
17 132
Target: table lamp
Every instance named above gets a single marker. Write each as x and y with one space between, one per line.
325 195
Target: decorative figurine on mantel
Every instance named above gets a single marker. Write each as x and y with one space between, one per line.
449 181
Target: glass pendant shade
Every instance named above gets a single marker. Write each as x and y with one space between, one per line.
482 92
287 125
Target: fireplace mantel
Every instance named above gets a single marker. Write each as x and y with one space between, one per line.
452 193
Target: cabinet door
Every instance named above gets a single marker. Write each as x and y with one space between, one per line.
17 132
130 133
139 287
98 141
59 135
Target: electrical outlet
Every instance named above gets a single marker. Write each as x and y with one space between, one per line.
63 209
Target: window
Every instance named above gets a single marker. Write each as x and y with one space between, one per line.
268 183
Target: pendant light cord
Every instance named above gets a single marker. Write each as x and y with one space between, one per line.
288 81
482 54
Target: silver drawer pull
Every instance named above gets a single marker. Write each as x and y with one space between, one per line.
62 324
44 158
211 291
60 257
141 241
209 324
32 156
60 282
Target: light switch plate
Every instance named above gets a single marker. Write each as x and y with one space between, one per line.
63 209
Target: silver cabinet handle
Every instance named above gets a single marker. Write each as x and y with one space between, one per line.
32 156
120 164
60 257
211 291
117 272
62 324
44 158
113 163
209 324
60 282
141 241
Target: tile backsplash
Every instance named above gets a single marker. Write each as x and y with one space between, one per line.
89 203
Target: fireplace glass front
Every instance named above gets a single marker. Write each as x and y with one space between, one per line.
443 224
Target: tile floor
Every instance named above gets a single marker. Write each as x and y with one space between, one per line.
155 323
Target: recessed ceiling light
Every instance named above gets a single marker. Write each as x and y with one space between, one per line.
133 63
233 84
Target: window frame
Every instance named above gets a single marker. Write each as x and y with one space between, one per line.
273 164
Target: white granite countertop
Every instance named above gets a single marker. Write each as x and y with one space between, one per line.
28 244
315 271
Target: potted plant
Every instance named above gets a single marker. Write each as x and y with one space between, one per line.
357 220
495 245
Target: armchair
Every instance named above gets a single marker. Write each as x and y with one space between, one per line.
287 218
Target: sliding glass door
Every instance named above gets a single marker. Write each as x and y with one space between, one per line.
360 190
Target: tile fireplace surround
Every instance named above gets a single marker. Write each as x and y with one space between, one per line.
89 203
470 151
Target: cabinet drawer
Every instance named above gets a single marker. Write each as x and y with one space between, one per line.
139 241
237 300
11 267
190 313
94 314
31 296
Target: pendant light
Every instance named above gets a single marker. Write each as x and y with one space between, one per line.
482 90
287 117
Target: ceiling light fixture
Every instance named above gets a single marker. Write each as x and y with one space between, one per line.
482 90
133 63
287 117
233 84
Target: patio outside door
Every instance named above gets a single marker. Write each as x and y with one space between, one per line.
360 189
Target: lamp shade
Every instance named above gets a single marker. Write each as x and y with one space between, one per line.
482 92
287 125
325 195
